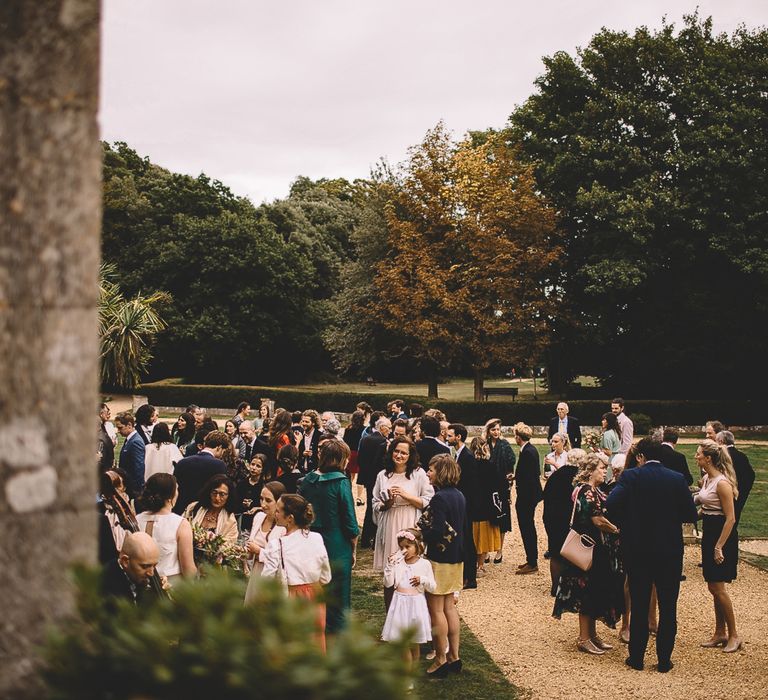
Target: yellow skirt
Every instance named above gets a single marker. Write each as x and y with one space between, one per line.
449 577
487 537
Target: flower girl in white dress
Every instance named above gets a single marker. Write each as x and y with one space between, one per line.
411 575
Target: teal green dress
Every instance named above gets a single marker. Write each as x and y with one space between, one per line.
331 498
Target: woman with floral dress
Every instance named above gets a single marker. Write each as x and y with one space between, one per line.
597 594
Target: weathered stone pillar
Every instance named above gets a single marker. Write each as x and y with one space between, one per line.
50 214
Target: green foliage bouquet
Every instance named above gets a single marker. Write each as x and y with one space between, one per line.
206 644
213 550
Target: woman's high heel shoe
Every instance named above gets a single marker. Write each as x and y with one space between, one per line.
600 644
735 645
586 646
714 642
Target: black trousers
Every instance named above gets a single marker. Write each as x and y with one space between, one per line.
470 554
525 512
369 528
642 576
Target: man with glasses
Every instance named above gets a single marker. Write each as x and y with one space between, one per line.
193 472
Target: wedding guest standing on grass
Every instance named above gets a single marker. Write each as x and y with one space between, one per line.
443 526
650 503
719 540
329 492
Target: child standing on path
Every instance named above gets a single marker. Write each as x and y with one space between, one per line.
411 575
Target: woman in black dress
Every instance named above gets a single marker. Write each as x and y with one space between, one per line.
719 540
503 459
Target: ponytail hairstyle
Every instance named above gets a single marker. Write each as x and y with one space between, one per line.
159 488
288 458
300 508
721 459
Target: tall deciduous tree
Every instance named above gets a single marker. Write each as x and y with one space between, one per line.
464 249
653 146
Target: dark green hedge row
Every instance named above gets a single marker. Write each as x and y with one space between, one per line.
667 412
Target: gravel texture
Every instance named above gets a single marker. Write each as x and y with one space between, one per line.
755 546
511 615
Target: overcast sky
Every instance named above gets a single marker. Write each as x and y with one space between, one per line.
255 93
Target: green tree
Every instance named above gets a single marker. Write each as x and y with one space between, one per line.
127 330
653 148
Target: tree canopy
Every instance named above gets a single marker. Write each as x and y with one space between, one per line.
652 147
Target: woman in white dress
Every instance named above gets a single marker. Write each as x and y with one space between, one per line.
299 557
161 454
263 530
401 492
171 532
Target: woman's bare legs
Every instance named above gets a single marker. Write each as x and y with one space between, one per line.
436 606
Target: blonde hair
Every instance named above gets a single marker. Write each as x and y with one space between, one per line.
447 471
589 463
566 441
524 431
480 448
490 424
576 457
721 460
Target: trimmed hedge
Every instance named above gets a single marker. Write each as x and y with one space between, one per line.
666 412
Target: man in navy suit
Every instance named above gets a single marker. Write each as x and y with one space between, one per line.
565 424
132 454
529 493
192 473
457 438
429 445
671 458
650 503
370 458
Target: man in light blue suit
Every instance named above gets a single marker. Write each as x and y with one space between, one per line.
131 454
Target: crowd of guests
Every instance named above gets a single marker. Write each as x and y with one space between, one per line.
285 487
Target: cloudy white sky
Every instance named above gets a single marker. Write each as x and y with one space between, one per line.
256 92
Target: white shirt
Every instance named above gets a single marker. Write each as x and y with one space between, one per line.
160 459
303 557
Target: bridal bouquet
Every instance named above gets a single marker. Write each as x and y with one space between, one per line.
592 440
213 550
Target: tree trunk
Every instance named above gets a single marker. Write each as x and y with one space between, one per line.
50 215
432 382
479 379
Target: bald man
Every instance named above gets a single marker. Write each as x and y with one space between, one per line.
129 575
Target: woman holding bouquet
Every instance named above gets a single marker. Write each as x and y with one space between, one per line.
214 509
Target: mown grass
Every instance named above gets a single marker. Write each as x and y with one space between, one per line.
481 677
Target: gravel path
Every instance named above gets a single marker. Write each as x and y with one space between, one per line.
511 615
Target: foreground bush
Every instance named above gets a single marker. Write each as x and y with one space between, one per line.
205 643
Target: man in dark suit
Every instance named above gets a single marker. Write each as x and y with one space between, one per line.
566 424
429 445
309 442
650 504
131 458
252 443
457 438
745 474
671 458
370 459
127 577
193 472
529 493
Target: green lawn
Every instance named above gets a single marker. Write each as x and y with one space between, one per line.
481 677
754 519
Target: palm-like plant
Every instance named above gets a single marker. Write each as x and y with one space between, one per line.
127 329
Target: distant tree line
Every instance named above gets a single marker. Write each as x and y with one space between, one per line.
616 227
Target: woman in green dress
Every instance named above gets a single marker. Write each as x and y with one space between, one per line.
329 491
611 442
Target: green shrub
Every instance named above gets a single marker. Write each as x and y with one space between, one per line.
664 412
642 423
206 644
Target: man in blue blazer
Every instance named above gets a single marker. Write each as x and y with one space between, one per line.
132 453
649 504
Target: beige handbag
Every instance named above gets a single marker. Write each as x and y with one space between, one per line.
578 548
